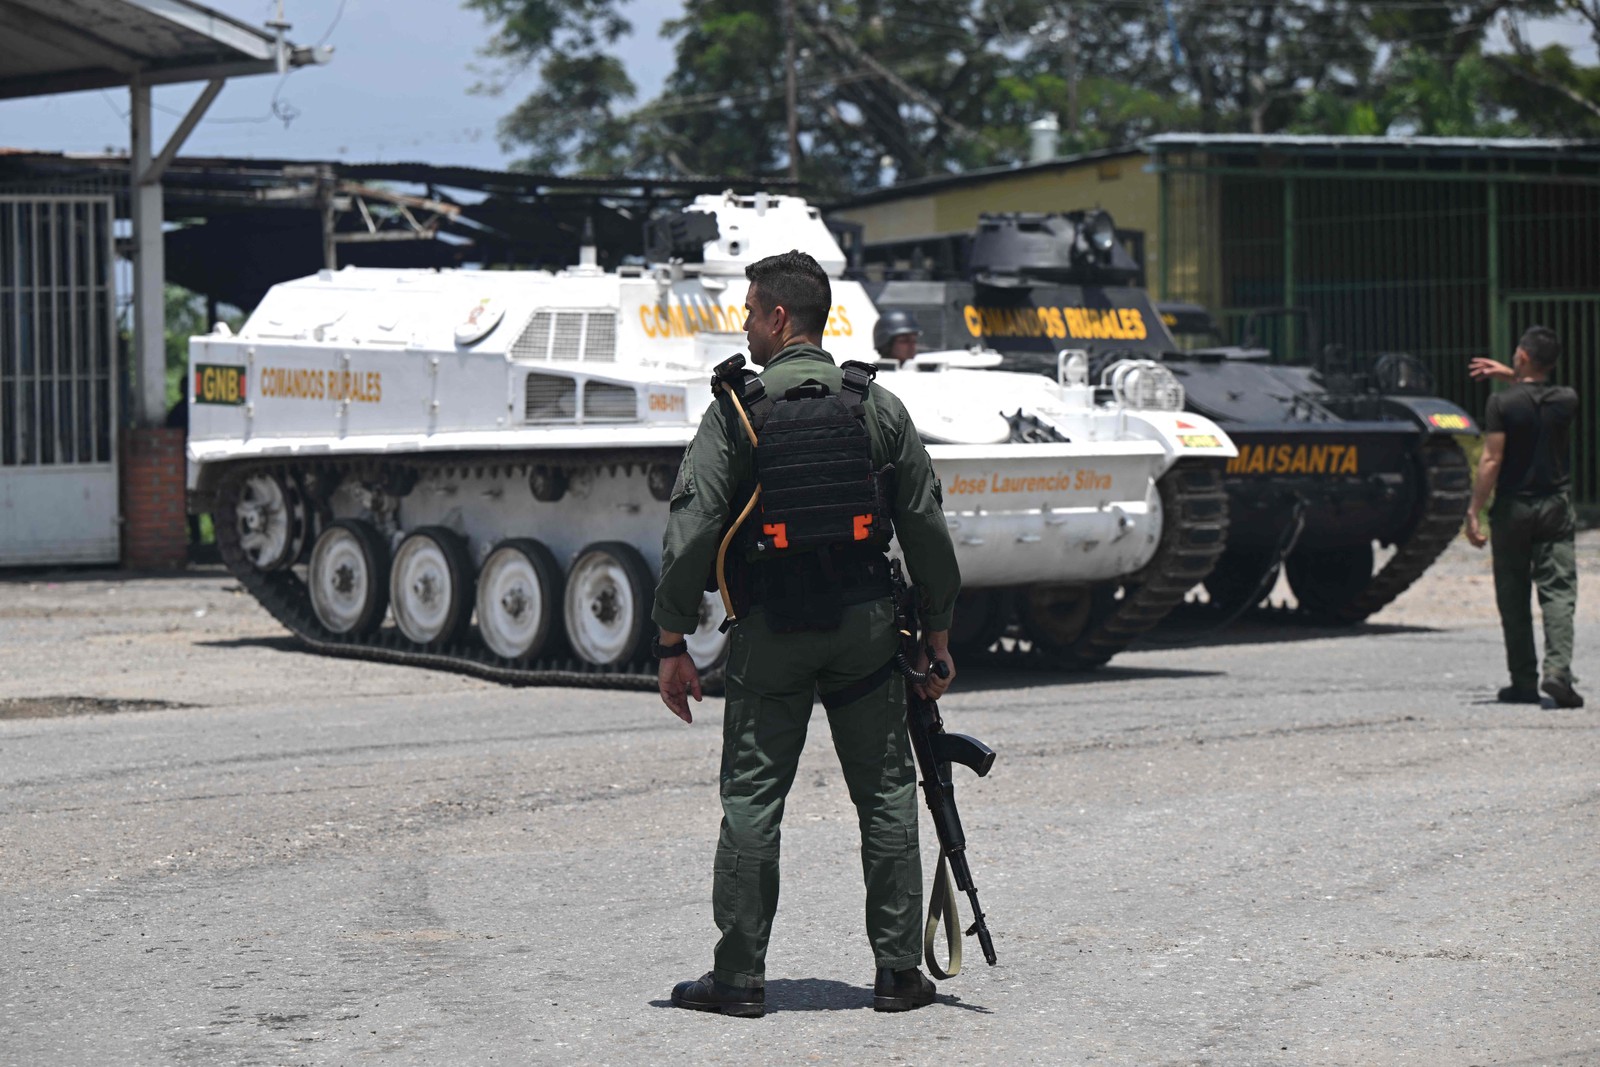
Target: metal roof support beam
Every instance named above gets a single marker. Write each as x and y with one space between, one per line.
181 134
149 252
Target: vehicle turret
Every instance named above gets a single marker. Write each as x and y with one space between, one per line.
722 234
1017 249
1340 453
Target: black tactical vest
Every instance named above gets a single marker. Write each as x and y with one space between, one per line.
813 461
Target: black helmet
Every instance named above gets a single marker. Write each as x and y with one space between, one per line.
891 325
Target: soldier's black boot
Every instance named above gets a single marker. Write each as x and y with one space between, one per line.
1512 694
901 990
1561 691
707 994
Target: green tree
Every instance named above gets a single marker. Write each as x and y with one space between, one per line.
912 88
575 121
1556 96
878 82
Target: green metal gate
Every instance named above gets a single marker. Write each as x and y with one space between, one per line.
1444 249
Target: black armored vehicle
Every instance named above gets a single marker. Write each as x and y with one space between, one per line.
1340 456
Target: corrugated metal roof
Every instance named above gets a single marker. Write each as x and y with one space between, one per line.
59 46
922 186
1323 143
242 171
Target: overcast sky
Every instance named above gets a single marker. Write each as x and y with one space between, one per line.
397 89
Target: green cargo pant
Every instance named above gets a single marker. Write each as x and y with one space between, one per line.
772 681
1531 538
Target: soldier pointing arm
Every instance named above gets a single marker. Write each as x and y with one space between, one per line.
1526 466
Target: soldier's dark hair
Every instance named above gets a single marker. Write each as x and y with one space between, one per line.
1542 346
797 282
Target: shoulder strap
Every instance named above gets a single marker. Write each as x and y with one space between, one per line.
858 378
752 393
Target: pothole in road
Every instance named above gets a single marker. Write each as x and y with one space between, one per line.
60 707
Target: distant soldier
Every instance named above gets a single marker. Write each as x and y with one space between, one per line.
1526 445
816 618
895 336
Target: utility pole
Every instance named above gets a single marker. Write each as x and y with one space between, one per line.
789 89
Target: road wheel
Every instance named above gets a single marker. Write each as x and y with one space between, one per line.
1327 580
271 518
1060 620
349 578
607 604
1238 577
430 586
981 616
519 600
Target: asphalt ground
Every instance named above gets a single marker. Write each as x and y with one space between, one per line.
1277 845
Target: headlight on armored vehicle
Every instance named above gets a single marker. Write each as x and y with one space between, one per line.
1102 233
1144 385
1072 366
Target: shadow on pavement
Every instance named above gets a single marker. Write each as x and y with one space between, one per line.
1182 633
1027 674
278 643
988 674
826 994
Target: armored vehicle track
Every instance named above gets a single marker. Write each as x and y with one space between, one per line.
284 591
1446 492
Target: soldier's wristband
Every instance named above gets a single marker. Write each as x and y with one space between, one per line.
660 651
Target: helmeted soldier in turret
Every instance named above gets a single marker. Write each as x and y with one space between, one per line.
835 468
895 336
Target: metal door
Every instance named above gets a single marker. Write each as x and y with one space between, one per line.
58 395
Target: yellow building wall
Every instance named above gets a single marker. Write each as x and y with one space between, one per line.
1120 185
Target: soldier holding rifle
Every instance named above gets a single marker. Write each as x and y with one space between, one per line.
795 512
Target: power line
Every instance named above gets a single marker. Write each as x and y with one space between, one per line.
337 15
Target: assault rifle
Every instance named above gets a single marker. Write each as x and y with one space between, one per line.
936 750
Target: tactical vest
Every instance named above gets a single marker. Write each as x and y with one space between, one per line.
813 460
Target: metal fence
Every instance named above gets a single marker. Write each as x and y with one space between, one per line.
57 331
58 391
1445 261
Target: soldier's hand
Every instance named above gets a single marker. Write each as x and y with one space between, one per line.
935 686
678 680
1482 367
1475 531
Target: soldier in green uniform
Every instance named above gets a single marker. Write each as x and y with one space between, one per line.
1525 463
775 667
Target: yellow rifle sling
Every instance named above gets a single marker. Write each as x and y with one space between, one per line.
942 907
750 505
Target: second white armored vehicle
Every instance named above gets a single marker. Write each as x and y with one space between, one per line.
470 469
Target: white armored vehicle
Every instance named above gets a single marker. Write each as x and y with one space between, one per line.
485 457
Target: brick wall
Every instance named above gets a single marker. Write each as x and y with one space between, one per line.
155 532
